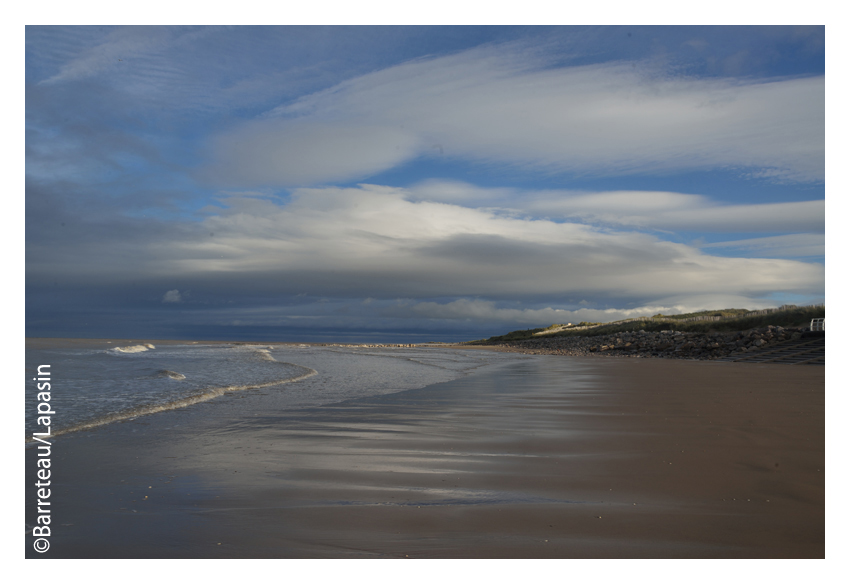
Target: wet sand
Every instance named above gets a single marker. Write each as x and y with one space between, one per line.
545 457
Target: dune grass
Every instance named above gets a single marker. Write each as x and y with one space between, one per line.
732 319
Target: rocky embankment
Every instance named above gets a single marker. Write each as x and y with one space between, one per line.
664 344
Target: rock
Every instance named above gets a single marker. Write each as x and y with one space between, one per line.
666 344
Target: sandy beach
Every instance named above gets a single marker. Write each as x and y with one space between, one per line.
546 457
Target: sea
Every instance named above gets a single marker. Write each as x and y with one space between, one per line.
94 383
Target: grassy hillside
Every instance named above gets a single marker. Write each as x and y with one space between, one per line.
727 319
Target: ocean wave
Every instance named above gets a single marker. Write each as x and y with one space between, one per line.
265 355
206 395
171 374
133 348
260 351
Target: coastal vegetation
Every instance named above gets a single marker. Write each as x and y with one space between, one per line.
724 320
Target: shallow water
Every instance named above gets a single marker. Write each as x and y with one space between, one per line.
97 383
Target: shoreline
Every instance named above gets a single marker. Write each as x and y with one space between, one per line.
709 346
668 344
546 457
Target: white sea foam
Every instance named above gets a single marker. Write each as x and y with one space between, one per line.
101 388
134 348
170 374
207 395
265 355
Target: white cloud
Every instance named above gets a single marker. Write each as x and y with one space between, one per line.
501 104
485 311
281 151
792 245
794 216
462 193
375 242
121 48
635 209
172 296
458 314
675 212
372 241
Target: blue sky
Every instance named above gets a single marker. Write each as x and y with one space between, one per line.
392 183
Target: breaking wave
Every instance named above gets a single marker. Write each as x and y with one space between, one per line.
170 374
206 395
202 395
264 354
134 348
